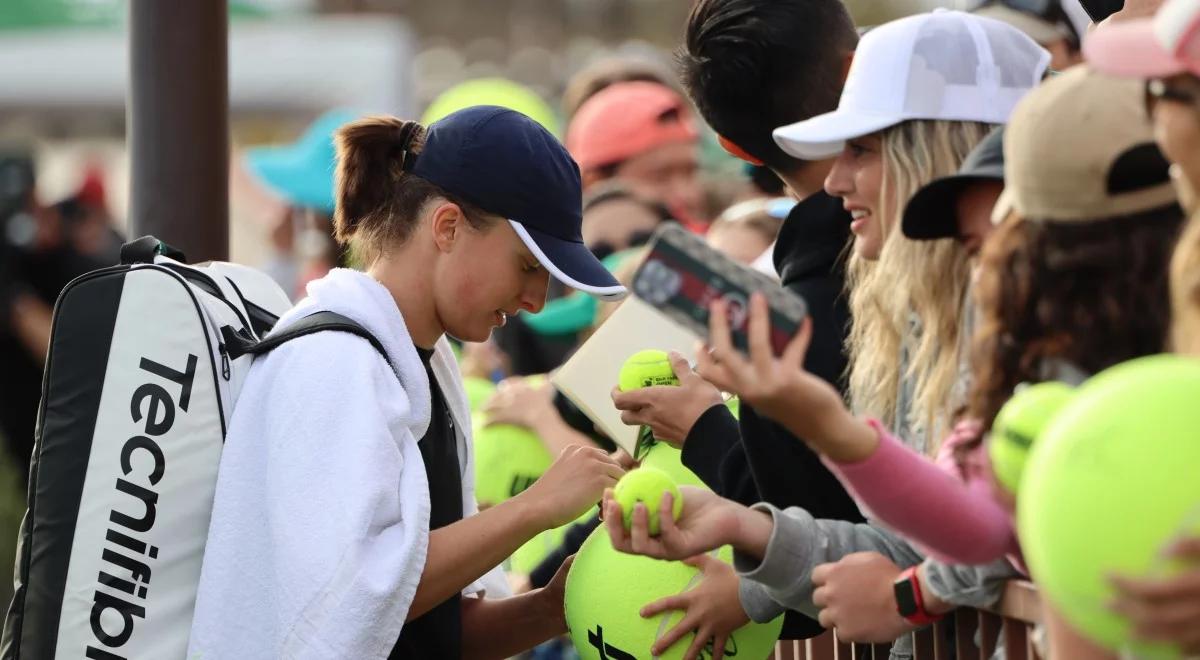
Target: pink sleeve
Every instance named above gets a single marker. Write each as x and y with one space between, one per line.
953 520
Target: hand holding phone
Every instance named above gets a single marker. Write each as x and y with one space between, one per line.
682 275
780 388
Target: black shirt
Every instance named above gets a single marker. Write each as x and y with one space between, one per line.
754 459
437 634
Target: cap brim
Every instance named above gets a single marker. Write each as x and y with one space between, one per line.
825 135
291 176
931 213
571 263
1129 49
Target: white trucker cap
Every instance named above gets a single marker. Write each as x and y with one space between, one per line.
941 65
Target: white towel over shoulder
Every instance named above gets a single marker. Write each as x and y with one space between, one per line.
320 523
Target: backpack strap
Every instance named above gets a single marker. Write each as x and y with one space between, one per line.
238 345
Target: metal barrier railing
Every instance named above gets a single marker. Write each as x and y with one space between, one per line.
974 635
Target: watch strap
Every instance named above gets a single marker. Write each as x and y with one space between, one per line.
918 616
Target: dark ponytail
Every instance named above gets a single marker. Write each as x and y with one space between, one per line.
378 201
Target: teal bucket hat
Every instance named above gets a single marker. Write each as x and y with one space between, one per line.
302 172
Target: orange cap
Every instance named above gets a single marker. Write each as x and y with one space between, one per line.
626 119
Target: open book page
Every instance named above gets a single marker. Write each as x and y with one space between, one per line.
587 379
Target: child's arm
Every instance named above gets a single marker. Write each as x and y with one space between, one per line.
504 627
707 522
906 491
521 404
954 520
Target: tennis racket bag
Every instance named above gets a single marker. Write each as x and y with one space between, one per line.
145 364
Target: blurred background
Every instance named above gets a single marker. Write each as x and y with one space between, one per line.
64 70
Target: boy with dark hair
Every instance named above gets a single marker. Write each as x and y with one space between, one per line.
751 66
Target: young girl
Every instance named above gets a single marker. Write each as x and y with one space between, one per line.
907 298
344 523
1071 284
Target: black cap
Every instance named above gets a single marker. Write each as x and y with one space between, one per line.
931 212
507 164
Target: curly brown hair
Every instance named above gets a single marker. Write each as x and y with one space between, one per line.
1092 294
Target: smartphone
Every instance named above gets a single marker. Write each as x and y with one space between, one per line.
1098 10
682 275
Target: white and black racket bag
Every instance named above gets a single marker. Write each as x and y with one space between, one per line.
145 364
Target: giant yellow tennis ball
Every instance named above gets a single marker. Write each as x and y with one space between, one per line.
1018 424
646 369
1109 482
647 485
606 589
669 459
493 91
508 459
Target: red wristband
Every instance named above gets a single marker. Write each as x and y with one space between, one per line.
910 601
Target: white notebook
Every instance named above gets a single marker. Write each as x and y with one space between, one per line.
587 379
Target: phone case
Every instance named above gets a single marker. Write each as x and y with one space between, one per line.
682 275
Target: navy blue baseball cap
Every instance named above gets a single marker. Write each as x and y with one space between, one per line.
507 164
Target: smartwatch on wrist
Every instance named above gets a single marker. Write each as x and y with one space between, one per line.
909 601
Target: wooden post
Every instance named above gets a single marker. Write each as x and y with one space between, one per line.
177 124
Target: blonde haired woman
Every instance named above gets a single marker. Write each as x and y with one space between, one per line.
907 298
895 130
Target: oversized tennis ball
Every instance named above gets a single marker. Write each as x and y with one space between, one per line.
646 369
508 459
670 460
1107 485
647 485
1018 424
493 91
606 589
